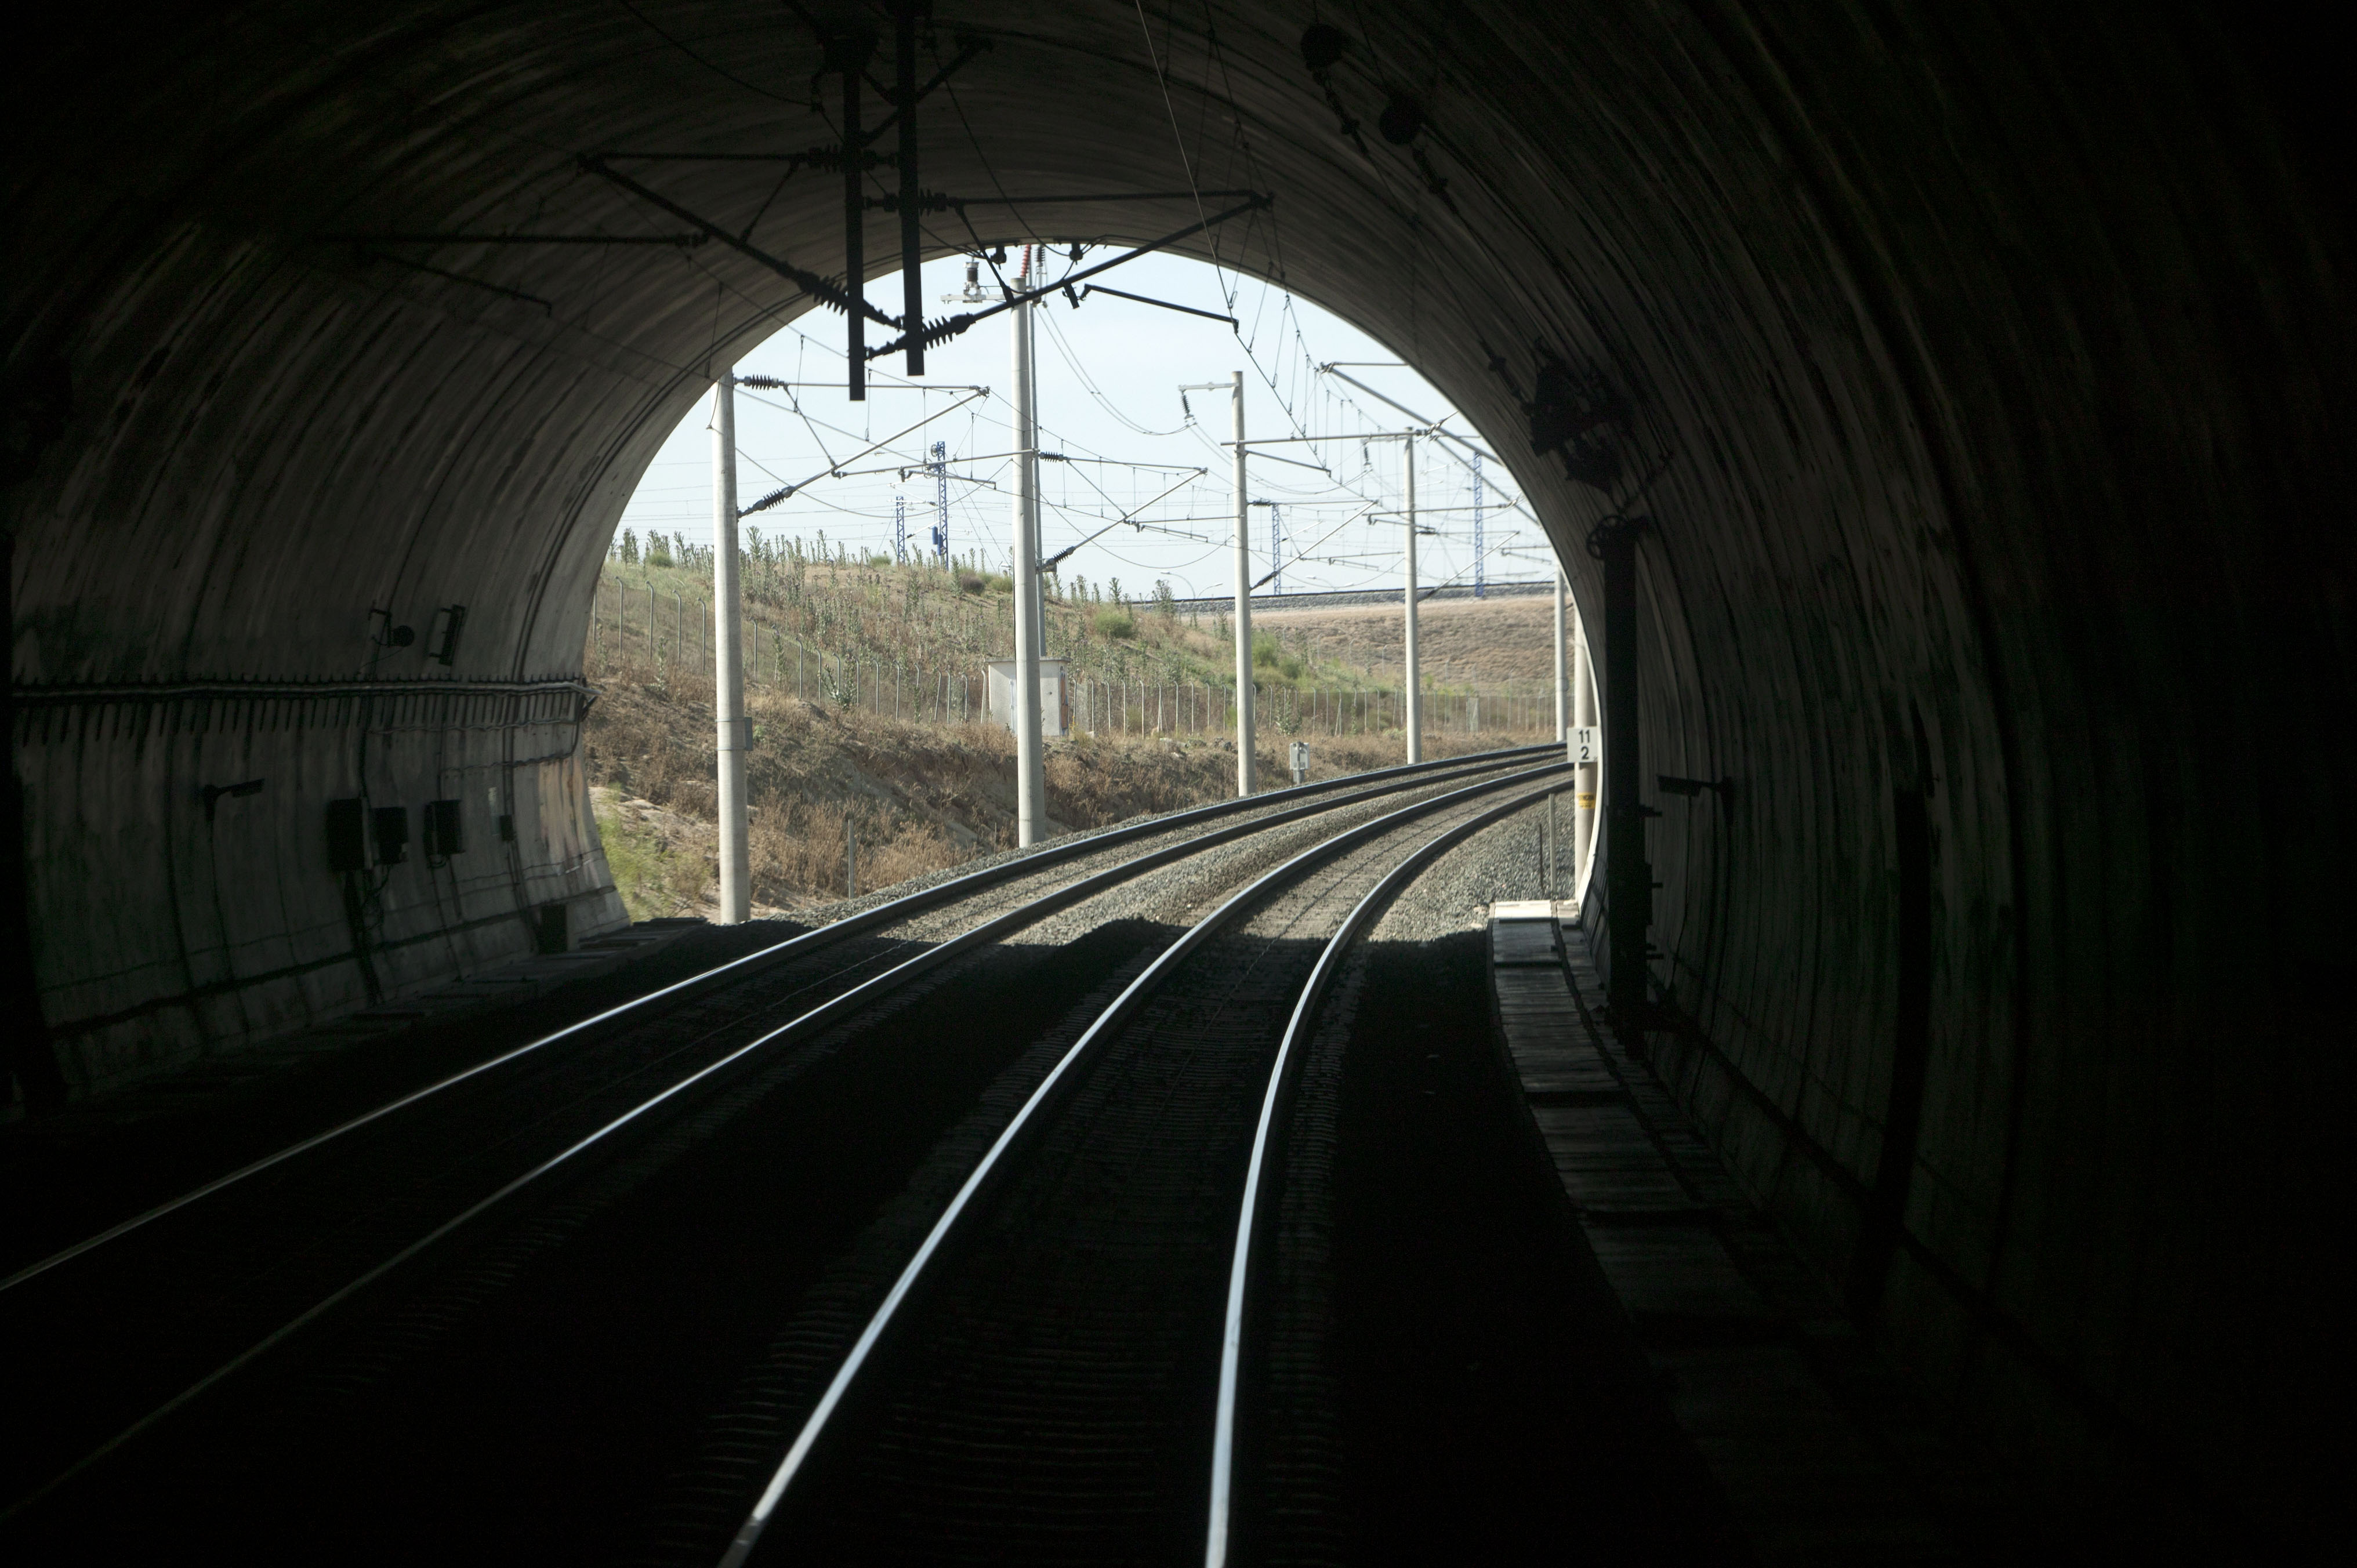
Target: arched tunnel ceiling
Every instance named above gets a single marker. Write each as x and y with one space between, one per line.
1992 359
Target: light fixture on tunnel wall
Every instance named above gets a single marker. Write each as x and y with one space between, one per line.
385 634
1691 788
213 793
1322 47
388 826
1577 415
348 834
1402 119
446 829
442 634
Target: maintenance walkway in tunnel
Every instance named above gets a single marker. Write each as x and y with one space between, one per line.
441 1336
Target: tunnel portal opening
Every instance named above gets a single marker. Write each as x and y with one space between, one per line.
1948 346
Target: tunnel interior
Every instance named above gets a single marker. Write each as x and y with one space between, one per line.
1977 372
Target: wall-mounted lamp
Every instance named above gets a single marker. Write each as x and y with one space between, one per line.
446 829
1402 119
390 828
347 834
384 634
442 634
1690 787
213 792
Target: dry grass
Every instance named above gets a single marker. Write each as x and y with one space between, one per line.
1509 638
663 861
799 849
921 796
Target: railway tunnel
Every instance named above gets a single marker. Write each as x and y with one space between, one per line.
1977 372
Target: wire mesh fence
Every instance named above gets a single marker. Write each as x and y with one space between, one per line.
663 636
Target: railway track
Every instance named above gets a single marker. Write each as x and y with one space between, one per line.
1054 1375
177 1327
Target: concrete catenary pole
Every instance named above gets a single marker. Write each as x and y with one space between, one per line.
1562 668
1030 805
1245 777
728 664
1582 778
1412 680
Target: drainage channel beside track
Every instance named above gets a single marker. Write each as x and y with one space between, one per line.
201 1343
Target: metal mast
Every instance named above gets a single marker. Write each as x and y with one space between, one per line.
1480 573
941 466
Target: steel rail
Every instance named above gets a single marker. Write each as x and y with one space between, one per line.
1313 993
1111 1018
807 943
818 1017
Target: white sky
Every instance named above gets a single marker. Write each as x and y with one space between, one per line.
1109 375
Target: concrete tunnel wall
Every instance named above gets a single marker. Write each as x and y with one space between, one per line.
1998 358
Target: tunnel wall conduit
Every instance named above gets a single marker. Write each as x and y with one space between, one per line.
2002 358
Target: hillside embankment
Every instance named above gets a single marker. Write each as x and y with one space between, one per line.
918 796
1483 643
898 760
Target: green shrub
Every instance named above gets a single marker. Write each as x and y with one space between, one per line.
1264 648
1115 623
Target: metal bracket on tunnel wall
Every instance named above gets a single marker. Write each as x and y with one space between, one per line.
1628 876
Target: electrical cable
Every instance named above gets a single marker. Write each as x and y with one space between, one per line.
1162 80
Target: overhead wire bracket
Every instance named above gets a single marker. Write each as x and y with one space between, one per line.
1050 564
367 254
686 241
951 327
824 290
1142 299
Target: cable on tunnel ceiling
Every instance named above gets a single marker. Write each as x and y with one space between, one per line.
1296 373
1162 81
722 72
